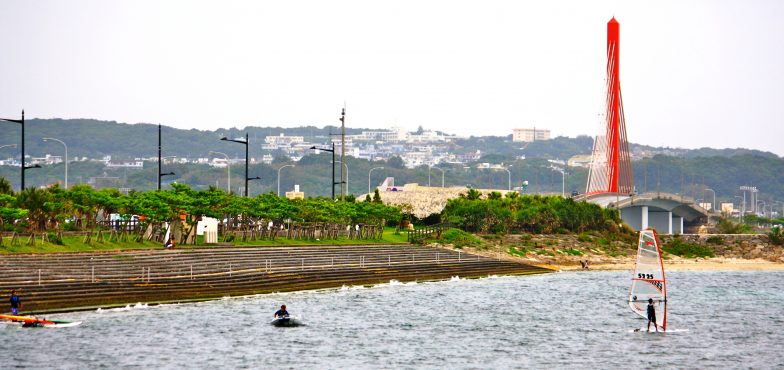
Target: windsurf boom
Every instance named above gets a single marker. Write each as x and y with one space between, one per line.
648 281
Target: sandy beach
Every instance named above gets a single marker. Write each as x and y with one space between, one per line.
675 264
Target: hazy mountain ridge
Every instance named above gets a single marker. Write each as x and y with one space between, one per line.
95 139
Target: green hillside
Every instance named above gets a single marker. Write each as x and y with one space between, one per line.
723 170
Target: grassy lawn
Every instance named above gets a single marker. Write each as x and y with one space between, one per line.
71 244
76 243
389 237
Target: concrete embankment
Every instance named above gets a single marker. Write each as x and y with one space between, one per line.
73 281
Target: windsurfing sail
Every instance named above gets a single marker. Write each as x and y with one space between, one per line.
648 281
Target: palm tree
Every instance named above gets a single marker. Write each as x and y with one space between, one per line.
472 194
5 187
34 200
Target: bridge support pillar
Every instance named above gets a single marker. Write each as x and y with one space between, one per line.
636 217
661 221
677 225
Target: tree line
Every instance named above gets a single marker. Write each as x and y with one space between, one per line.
512 213
82 207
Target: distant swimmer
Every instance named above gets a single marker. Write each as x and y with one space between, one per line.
281 312
16 303
652 315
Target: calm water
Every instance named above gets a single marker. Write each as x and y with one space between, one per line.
564 320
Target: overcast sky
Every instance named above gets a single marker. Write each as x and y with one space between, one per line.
693 73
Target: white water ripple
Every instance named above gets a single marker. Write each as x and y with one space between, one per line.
566 320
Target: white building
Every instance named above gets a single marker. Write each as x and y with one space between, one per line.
283 140
427 136
46 160
219 162
396 134
136 163
530 134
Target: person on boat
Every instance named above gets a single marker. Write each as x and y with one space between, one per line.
652 315
281 312
32 324
16 303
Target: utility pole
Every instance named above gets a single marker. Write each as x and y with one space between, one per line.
343 189
161 174
23 168
159 157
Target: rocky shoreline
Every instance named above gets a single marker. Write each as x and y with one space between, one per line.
568 252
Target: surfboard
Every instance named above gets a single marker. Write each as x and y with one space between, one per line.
648 280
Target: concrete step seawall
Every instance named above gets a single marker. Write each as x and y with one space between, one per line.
70 281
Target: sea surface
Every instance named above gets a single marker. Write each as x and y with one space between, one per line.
560 320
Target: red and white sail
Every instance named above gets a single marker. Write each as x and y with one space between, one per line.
648 281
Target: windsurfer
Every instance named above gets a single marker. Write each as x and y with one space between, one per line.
652 315
281 312
16 303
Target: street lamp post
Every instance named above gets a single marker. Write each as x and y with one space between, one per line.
442 175
344 181
228 166
161 174
247 144
371 170
23 167
344 163
66 157
509 173
752 192
282 167
563 179
333 165
740 214
714 198
756 207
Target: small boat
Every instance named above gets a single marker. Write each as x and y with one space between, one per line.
648 280
286 321
35 322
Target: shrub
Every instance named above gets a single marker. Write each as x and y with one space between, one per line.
460 238
688 250
584 238
520 252
55 238
726 226
715 240
573 252
776 236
